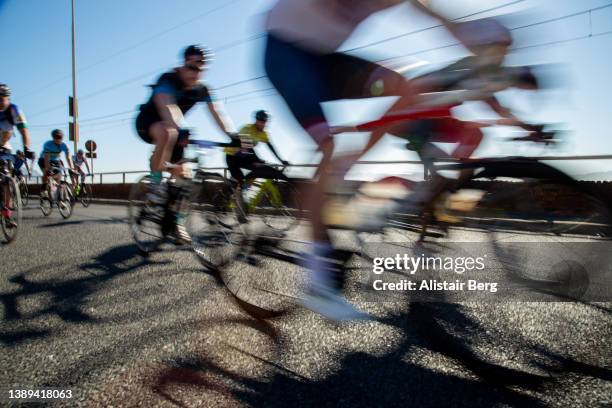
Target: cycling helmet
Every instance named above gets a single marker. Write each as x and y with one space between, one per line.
57 133
5 90
262 115
487 31
197 50
80 151
18 153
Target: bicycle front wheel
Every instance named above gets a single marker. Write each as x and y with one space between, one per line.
65 202
144 218
10 224
211 222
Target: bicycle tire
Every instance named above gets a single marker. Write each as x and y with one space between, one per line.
210 223
143 218
10 233
64 203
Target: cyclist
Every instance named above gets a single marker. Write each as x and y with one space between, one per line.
161 117
303 37
50 160
79 160
10 117
478 77
244 157
20 162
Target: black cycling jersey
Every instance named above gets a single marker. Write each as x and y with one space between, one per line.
171 83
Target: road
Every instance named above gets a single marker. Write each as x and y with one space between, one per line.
82 310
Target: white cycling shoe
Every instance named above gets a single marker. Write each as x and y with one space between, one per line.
330 304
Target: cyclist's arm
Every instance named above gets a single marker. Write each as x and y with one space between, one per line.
69 159
275 152
507 117
170 113
87 165
25 137
27 167
220 118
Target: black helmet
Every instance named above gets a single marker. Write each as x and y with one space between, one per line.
5 90
198 51
57 133
262 115
18 153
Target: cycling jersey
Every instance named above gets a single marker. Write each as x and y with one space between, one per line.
321 25
10 117
170 83
78 162
54 150
251 132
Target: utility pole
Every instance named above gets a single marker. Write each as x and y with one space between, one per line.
74 107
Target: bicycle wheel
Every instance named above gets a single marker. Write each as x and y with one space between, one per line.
280 204
211 222
64 203
266 277
23 190
85 195
46 206
549 233
144 218
9 231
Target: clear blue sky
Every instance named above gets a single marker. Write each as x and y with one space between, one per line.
124 45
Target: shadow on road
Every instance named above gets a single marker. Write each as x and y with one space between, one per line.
67 298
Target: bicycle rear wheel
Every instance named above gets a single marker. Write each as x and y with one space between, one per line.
211 221
86 195
8 230
144 218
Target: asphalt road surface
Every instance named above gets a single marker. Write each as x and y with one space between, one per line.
82 310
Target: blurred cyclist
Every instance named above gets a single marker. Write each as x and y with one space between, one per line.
10 117
161 117
250 135
79 160
302 42
20 162
50 160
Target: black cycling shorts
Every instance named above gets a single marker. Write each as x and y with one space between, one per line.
144 123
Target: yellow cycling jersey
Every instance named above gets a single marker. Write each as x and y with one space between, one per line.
251 132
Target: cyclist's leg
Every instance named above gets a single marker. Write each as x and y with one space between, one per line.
233 165
284 62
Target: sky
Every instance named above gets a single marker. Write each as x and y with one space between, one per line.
122 46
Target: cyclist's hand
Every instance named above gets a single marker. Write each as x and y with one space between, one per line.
28 153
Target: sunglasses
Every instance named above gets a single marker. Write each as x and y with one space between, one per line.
194 68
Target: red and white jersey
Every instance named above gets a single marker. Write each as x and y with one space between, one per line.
321 25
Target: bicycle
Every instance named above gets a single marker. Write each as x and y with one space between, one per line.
151 224
11 216
271 197
81 190
58 193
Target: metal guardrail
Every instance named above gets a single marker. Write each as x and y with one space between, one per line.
123 174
